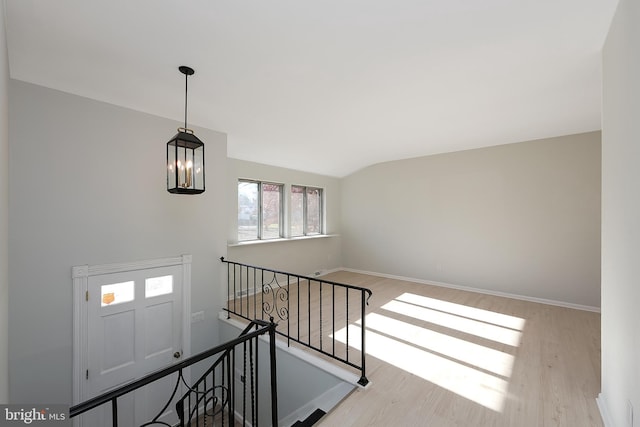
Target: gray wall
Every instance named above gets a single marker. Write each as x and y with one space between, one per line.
620 215
88 186
521 218
4 209
301 256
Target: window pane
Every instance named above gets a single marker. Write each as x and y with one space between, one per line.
116 293
271 202
247 210
154 286
297 210
314 209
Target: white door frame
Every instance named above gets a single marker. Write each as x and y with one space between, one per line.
81 274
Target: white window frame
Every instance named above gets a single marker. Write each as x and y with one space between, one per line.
260 232
305 205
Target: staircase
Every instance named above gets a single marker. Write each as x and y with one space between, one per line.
311 419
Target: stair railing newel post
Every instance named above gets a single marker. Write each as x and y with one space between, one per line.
114 412
228 286
363 353
274 381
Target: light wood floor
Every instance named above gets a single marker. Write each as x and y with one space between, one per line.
443 357
553 380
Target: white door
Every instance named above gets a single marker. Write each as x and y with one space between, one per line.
134 328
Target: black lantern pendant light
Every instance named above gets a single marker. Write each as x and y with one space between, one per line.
185 155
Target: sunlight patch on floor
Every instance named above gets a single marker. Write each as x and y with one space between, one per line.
453 321
483 388
482 357
480 314
471 370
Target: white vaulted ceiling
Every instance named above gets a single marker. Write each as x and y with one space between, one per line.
328 86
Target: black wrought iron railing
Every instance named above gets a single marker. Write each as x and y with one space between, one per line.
218 397
326 316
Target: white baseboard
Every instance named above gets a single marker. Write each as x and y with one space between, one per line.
604 410
324 272
478 290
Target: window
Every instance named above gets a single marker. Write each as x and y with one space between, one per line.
117 293
156 286
259 210
306 211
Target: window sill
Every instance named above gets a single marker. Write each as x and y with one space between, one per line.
283 239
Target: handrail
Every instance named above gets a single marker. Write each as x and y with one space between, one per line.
248 287
262 327
343 285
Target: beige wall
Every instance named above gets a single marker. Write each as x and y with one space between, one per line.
621 217
521 218
301 256
4 209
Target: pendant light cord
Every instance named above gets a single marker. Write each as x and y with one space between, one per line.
186 78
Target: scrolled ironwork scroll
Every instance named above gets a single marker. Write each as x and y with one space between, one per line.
278 298
213 403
